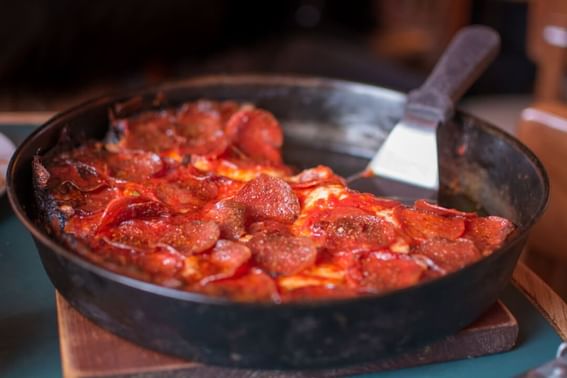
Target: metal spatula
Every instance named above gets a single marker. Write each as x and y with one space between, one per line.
409 154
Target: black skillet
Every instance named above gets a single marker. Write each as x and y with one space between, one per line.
331 122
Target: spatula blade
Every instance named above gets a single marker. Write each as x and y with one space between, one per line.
409 154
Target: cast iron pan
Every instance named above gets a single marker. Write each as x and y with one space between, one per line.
331 122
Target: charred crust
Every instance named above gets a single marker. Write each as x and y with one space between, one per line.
40 174
50 217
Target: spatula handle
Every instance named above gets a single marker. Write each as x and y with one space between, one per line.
472 49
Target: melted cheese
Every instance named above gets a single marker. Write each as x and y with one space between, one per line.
233 171
321 195
320 275
299 281
400 246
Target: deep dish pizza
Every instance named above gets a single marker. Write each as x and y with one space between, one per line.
198 198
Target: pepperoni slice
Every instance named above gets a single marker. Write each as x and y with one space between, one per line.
230 217
269 227
136 235
449 255
201 126
256 133
368 202
151 131
320 223
228 256
79 175
93 154
134 166
281 254
383 272
161 263
71 201
186 192
269 198
127 208
226 109
317 176
363 229
95 202
251 287
341 259
191 237
422 225
488 233
187 238
177 196
355 231
332 215
439 210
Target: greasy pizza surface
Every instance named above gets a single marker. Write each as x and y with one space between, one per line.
198 198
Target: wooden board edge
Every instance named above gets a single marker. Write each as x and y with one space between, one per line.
25 118
513 320
70 371
67 369
547 301
156 371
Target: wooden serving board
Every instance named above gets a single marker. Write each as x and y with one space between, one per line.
89 351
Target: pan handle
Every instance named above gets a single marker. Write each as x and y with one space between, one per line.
470 52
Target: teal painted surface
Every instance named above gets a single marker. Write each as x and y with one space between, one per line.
537 344
29 345
28 326
17 133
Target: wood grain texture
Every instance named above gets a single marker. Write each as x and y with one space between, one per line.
89 351
543 128
550 304
551 58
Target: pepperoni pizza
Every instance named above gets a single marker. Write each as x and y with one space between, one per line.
198 198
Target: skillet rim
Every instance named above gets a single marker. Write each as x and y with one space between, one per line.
113 97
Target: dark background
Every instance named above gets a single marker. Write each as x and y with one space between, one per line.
54 49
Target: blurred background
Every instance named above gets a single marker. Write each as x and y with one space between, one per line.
54 51
57 53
